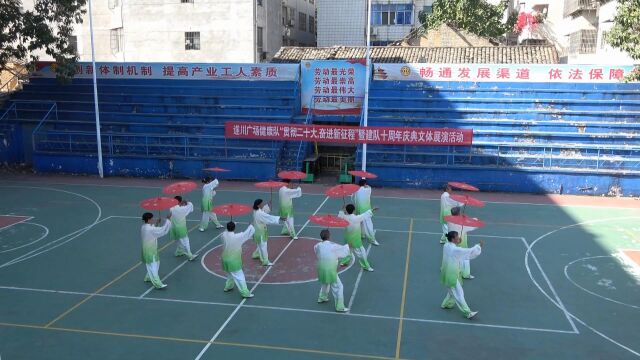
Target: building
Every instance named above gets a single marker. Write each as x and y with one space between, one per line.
576 28
194 30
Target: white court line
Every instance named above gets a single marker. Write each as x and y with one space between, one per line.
321 194
355 287
277 308
46 232
433 233
179 266
25 218
553 290
215 336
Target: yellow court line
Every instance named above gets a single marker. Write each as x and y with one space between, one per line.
77 305
404 290
197 341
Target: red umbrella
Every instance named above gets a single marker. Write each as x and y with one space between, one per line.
329 221
463 186
464 220
342 190
232 210
180 188
363 174
216 169
292 175
467 200
158 203
271 185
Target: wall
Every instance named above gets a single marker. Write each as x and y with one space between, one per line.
341 22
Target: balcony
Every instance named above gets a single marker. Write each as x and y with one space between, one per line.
572 7
583 42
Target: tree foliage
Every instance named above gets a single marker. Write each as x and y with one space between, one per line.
476 16
625 33
47 27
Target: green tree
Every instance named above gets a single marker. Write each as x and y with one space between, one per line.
476 16
625 33
47 27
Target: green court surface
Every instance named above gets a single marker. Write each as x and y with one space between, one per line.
553 282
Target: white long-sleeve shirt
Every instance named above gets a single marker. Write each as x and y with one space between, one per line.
179 214
208 191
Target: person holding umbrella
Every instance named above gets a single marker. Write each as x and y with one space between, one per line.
179 231
446 203
462 230
450 271
353 235
150 234
328 253
208 193
287 194
262 218
362 200
232 258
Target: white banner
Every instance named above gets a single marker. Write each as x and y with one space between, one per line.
177 71
502 72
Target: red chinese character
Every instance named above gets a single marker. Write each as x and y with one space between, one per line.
183 71
317 81
272 72
575 74
595 74
350 81
555 74
317 89
195 69
334 81
504 73
326 81
343 71
426 72
351 90
132 70
343 81
334 71
212 71
226 71
89 69
342 90
445 72
104 70
464 73
351 71
317 72
522 74
617 74
334 89
256 71
146 70
484 73
118 70
78 69
167 70
325 72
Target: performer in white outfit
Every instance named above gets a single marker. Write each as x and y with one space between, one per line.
287 195
362 201
452 258
208 193
150 234
462 231
353 236
179 231
261 219
232 258
328 254
446 203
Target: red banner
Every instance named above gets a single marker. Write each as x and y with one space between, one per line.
348 134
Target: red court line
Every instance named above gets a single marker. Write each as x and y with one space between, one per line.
633 255
10 220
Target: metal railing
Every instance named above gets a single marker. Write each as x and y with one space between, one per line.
573 6
53 110
6 116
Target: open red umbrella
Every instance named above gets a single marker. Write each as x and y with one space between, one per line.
329 221
342 190
180 187
270 185
292 175
464 220
231 210
363 174
158 203
216 169
462 186
467 200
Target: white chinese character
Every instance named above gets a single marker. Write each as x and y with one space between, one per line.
362 135
256 131
414 136
236 129
445 136
429 137
263 131
286 131
323 133
352 134
436 136
405 135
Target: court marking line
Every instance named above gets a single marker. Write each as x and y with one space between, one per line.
26 218
46 233
358 278
566 274
235 311
404 291
322 194
553 290
280 308
196 341
580 321
113 281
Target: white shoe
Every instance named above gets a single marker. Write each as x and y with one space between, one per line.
268 264
343 310
375 242
472 314
369 269
162 286
201 230
248 296
470 277
295 238
193 257
219 226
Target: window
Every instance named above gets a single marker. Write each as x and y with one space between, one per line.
192 40
427 9
583 42
113 4
392 14
259 40
288 16
302 19
259 2
312 24
186 1
604 45
116 40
